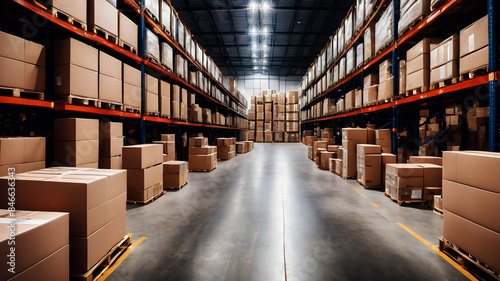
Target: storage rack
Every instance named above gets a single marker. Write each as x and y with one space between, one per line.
136 125
397 114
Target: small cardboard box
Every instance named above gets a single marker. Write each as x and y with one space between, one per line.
114 162
202 162
76 129
111 147
142 156
142 179
109 130
75 52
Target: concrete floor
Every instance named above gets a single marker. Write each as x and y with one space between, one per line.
271 214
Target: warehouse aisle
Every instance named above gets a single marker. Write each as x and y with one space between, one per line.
272 215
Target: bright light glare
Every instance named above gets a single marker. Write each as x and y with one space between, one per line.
253 30
266 6
253 6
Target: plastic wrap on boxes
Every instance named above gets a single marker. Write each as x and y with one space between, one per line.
153 7
329 53
369 7
340 39
181 34
359 54
165 15
167 56
152 45
342 68
445 52
179 66
360 14
350 60
369 41
384 29
173 24
336 74
410 11
348 27
335 49
187 39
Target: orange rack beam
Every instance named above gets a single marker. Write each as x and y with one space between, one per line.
94 110
171 121
26 102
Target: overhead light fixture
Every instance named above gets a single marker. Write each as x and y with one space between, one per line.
253 30
265 6
253 6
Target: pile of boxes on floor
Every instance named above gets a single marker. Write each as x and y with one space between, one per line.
274 117
430 64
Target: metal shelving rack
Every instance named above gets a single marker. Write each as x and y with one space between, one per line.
490 80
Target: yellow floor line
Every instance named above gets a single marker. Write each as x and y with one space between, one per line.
352 186
436 249
375 205
121 259
364 196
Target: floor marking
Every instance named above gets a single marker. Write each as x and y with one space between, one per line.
364 196
121 259
436 249
352 186
375 205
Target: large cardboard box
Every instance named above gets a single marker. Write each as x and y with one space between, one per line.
475 60
109 130
354 134
152 103
76 129
75 52
72 79
131 96
168 146
152 84
418 79
58 259
111 147
12 150
474 37
34 149
114 162
77 8
76 153
433 175
385 89
205 150
175 109
142 179
45 233
142 156
426 160
198 141
480 242
131 75
110 89
444 72
12 47
34 77
127 30
109 65
175 180
202 162
12 73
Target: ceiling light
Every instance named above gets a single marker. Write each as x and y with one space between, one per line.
254 46
253 30
255 67
266 6
253 6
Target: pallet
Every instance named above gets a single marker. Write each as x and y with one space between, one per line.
77 100
369 187
444 83
151 16
179 188
101 32
437 211
373 103
414 202
480 71
154 114
127 46
106 262
417 91
204 171
383 48
132 110
147 202
110 105
467 261
67 18
437 4
21 93
411 25
152 59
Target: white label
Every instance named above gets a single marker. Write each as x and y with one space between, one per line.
22 221
416 194
443 72
471 42
58 80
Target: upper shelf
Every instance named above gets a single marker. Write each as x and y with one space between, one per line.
430 94
424 23
171 121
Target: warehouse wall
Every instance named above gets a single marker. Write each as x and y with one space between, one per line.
253 84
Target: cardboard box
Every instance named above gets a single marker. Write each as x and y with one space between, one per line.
433 175
419 79
111 147
114 162
420 62
198 142
325 157
142 179
175 167
34 77
475 60
472 237
109 65
131 96
364 149
205 150
354 134
59 259
445 52
474 37
292 97
385 89
410 194
167 137
110 89
74 80
131 75
426 160
444 72
127 30
51 229
108 130
405 170
12 150
12 47
142 156
168 146
423 47
144 195
76 129
12 73
85 252
202 162
77 9
169 157
338 166
152 84
438 202
152 103
175 180
175 109
75 153
75 52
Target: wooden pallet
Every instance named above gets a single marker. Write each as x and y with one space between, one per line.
401 203
444 83
132 110
154 114
480 71
437 211
152 59
106 262
178 188
437 4
467 261
127 46
21 93
110 105
67 18
147 201
417 91
384 47
369 187
151 16
101 32
203 171
77 100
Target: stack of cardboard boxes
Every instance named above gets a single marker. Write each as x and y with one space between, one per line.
202 157
369 165
110 79
110 147
418 65
94 199
175 174
327 156
51 228
242 148
76 142
131 88
226 148
249 145
429 128
383 138
474 47
471 201
444 60
144 171
351 137
168 143
24 154
279 114
152 91
385 86
165 93
292 117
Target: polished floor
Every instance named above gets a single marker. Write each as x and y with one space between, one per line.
271 214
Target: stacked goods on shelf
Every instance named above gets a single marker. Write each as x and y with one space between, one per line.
127 33
268 117
259 117
226 148
167 56
428 130
453 128
385 86
349 100
404 183
243 135
351 137
22 64
49 228
369 165
168 143
249 145
242 147
474 49
144 171
410 12
152 92
95 200
23 154
152 9
164 104
102 17
292 117
110 80
131 88
279 114
384 29
369 42
175 106
418 65
76 71
110 146
477 121
202 157
444 61
76 10
471 200
152 47
383 138
175 174
360 14
76 142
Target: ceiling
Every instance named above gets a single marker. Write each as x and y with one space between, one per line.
276 37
